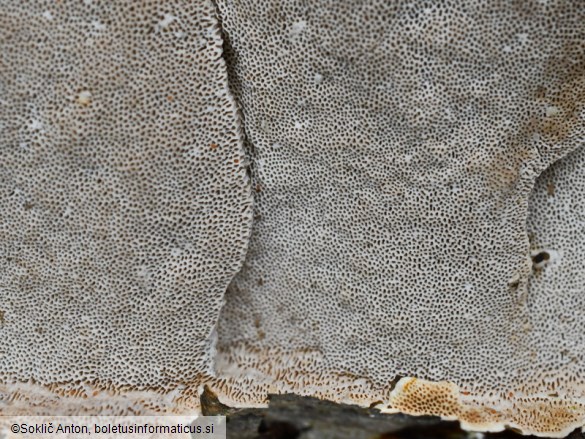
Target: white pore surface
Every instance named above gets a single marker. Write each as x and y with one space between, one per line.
556 298
394 147
125 208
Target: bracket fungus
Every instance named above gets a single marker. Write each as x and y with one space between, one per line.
404 251
121 224
390 235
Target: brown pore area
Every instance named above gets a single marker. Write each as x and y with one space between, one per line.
566 97
546 417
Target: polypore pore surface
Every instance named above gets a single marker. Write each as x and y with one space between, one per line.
556 296
556 228
125 208
394 146
553 389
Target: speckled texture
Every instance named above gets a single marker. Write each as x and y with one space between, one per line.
125 207
394 147
296 417
556 227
